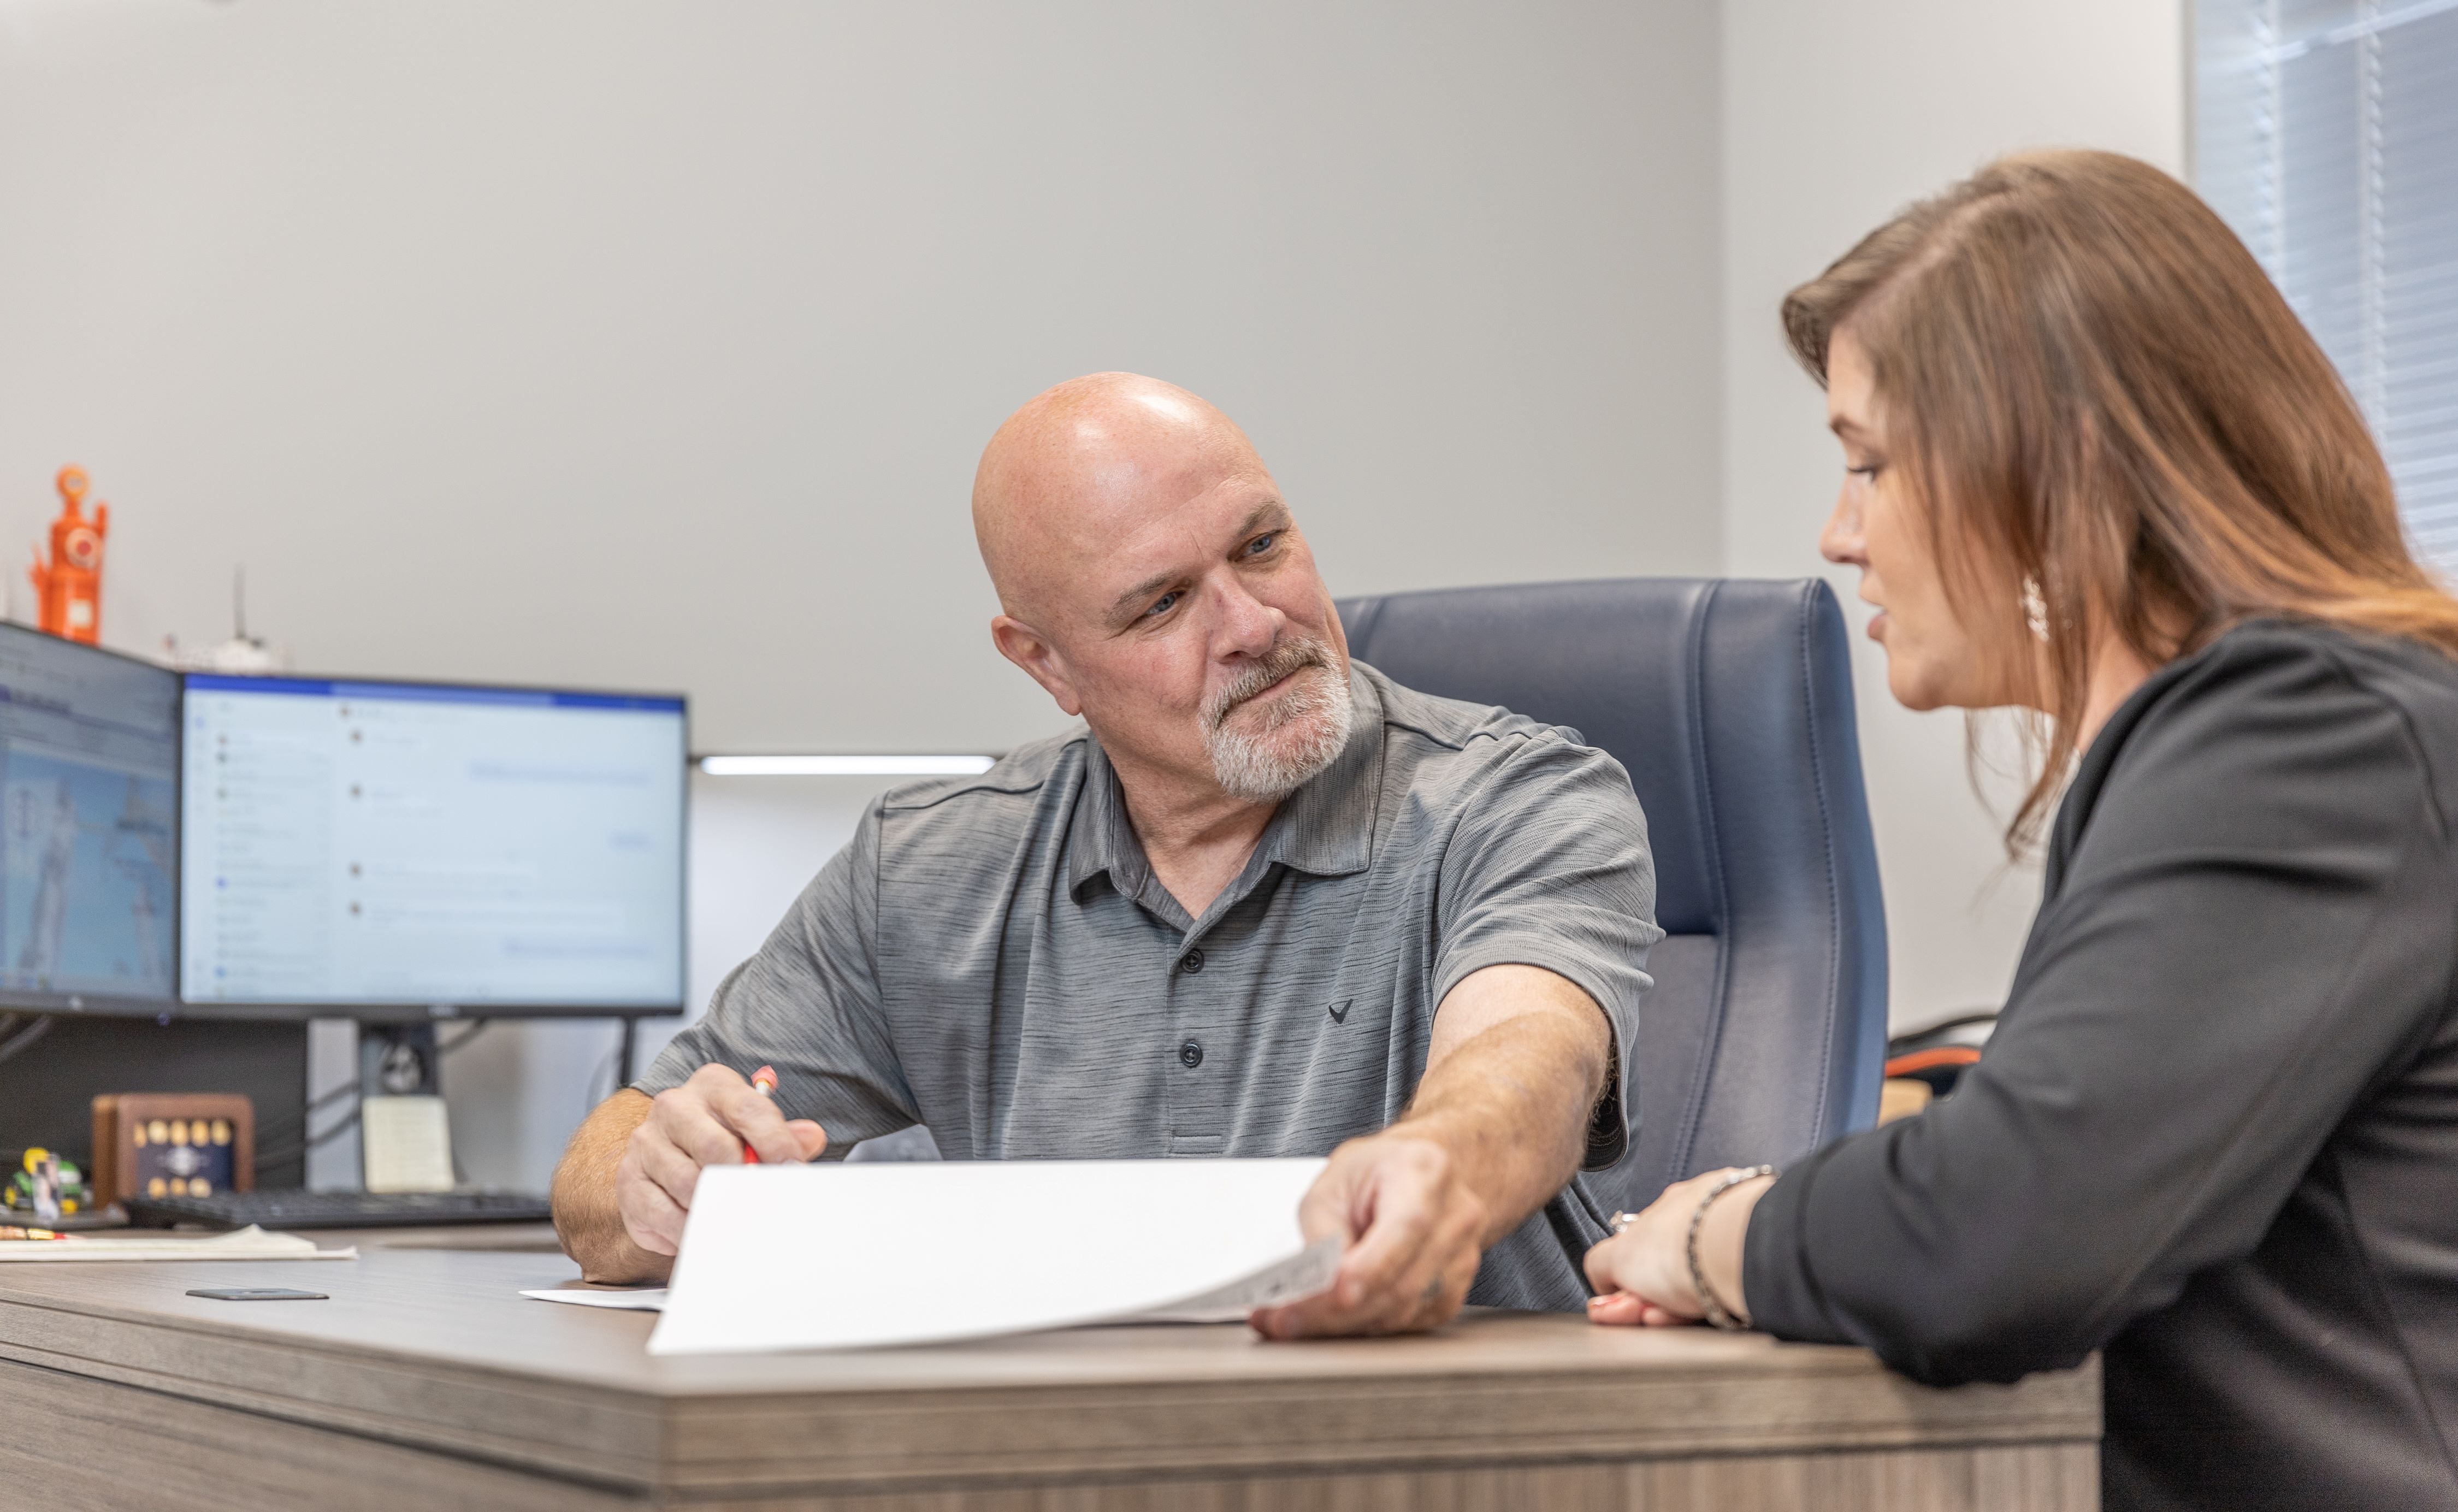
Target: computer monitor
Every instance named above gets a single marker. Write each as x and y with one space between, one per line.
88 836
395 850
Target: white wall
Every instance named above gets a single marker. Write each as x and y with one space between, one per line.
652 344
1835 116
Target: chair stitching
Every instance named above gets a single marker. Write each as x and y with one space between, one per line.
1686 1138
1834 892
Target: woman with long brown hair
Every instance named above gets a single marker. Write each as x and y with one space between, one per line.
2096 470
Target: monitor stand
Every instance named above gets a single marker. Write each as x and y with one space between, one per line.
399 1060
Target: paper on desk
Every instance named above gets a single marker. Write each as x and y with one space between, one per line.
837 1256
636 1299
250 1243
1302 1276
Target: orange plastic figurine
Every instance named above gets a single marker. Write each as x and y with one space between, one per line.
70 590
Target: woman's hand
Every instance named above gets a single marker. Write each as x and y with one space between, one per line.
1643 1272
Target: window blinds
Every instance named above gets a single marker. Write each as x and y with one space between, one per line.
2326 133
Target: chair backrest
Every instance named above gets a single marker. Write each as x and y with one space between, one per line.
1730 703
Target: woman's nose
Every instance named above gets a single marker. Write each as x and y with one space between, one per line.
1839 542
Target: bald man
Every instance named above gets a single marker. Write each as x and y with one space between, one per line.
1262 902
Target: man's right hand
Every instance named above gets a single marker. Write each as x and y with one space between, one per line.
627 1179
704 1122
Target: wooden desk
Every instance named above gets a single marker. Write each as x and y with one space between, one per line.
426 1381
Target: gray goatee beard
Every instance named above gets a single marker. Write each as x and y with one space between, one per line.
1308 728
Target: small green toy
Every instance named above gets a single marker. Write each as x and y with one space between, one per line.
50 1187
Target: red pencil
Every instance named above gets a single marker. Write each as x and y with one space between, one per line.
764 1082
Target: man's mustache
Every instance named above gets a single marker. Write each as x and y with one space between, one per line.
1295 656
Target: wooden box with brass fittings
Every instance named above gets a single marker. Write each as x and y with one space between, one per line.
173 1145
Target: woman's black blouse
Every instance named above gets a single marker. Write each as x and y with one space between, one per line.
2215 1133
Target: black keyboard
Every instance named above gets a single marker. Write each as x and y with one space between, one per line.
337 1209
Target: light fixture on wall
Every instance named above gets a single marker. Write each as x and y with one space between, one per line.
844 766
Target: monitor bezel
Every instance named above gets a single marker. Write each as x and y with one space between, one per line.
413 1010
18 1000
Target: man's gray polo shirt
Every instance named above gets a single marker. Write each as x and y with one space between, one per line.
991 956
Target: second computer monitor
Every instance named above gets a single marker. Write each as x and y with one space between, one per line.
357 845
87 771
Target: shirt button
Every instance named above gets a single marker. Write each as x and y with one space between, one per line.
1192 962
1190 1055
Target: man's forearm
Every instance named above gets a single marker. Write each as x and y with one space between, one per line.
1511 1101
587 1218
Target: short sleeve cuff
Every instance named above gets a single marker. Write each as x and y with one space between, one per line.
1613 991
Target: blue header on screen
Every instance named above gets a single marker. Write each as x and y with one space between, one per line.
427 692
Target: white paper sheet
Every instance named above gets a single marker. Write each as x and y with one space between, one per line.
250 1243
1302 1275
840 1257
636 1299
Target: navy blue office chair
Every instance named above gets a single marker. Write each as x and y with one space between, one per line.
1730 702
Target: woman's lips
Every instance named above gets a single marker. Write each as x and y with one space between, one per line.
1878 623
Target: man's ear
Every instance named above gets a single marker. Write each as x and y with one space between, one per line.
1029 648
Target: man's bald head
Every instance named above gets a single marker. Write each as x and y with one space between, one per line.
1078 461
1155 583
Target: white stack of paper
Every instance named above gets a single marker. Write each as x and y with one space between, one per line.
834 1257
250 1243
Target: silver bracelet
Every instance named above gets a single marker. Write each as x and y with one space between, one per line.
1715 1312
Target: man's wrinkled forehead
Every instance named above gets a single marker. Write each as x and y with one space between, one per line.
1102 509
1080 489
1152 496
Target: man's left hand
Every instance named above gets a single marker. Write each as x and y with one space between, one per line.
1412 1229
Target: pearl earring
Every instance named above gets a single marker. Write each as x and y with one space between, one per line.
2035 608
